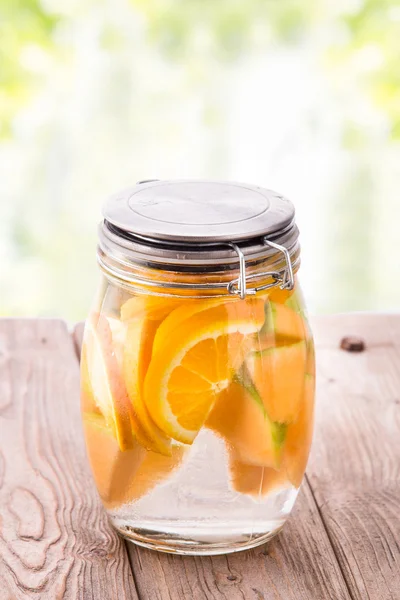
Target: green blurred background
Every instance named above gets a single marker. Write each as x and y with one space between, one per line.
301 96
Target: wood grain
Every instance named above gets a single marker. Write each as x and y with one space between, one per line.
55 541
355 465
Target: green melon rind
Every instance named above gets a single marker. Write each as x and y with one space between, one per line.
270 311
279 348
263 353
278 430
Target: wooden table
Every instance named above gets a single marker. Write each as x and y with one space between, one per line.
343 540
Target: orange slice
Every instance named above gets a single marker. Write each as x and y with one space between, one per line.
181 314
123 477
240 418
118 334
299 435
88 402
149 307
278 375
136 359
144 316
107 385
195 355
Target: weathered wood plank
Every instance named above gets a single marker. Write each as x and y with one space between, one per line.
55 541
354 470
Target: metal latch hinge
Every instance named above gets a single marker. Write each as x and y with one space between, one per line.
284 279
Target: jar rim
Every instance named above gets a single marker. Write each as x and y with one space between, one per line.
129 247
118 252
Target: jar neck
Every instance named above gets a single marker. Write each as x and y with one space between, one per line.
208 270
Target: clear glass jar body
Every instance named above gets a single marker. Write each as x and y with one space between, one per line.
198 414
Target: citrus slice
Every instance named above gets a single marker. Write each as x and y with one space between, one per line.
278 375
137 354
181 314
239 417
143 315
118 334
299 435
88 402
123 477
149 307
194 358
107 385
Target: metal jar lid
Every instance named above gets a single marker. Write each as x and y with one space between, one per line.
195 222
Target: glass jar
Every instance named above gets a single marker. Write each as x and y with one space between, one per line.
197 366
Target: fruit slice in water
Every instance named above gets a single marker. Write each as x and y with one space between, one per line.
181 313
88 401
299 435
239 417
258 481
278 375
144 316
277 295
149 307
255 481
136 359
284 322
195 356
123 477
118 333
107 384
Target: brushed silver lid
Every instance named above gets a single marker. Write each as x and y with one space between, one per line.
198 211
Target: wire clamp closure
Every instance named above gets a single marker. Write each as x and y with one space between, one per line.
285 280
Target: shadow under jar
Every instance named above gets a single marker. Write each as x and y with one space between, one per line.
197 366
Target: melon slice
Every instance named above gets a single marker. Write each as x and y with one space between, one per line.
299 435
283 325
255 481
258 481
278 376
123 477
284 322
239 417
